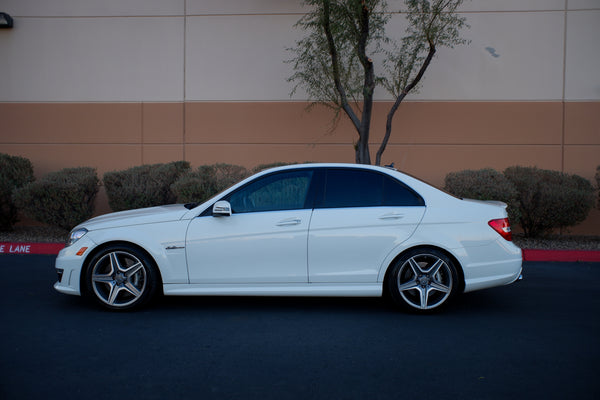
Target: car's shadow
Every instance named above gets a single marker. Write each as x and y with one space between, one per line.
481 302
271 303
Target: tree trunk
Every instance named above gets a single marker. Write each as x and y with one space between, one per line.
363 155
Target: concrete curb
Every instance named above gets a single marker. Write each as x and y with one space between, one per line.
528 254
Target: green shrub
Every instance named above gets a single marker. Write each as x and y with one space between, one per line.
550 199
64 198
598 183
143 186
206 181
15 172
484 184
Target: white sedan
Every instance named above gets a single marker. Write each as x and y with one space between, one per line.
302 230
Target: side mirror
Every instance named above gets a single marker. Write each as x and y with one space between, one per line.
221 209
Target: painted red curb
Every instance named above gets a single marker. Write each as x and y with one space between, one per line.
528 254
30 248
561 255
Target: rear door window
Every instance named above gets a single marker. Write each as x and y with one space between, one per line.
361 188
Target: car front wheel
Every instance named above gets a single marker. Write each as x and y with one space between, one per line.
422 280
121 278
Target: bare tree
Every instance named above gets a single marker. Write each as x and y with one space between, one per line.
334 64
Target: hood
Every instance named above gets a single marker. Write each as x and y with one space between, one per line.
171 212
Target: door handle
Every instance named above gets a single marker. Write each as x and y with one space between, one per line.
392 215
289 221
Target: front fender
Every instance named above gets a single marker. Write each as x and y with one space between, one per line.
164 242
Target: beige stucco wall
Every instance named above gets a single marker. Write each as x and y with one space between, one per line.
118 83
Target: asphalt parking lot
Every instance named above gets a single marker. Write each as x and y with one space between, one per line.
539 338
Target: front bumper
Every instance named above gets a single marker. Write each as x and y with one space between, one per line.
69 265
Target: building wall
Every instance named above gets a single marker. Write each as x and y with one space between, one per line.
118 83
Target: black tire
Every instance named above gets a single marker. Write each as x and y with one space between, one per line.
422 280
121 277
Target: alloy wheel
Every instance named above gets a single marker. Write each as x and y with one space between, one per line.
119 279
425 281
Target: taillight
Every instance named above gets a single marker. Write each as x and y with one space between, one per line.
502 226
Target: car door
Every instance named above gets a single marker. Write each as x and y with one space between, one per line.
265 238
360 217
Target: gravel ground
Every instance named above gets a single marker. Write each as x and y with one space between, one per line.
51 234
558 242
35 234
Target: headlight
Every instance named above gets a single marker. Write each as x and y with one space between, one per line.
76 235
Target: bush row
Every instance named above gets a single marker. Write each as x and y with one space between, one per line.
66 198
539 200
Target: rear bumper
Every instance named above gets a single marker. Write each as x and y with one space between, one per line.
505 268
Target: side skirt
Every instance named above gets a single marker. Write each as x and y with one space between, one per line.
291 289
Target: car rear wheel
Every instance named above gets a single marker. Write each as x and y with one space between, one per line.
121 278
422 280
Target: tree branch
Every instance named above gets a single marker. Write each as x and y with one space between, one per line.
335 66
401 96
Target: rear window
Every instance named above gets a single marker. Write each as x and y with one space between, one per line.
356 188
